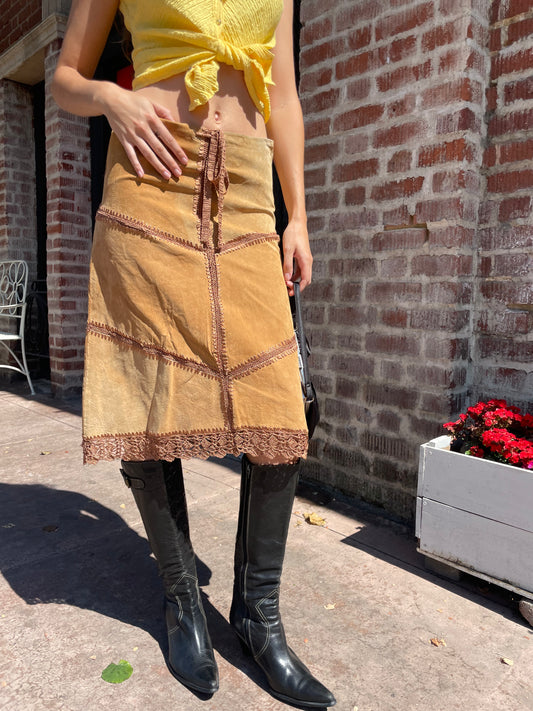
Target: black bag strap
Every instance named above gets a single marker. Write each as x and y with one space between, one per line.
309 391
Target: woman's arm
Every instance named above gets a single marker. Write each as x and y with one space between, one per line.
135 120
286 129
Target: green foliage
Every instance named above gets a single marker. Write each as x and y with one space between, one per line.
117 673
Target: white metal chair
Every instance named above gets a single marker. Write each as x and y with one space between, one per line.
13 290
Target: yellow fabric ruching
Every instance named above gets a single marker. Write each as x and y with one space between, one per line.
195 36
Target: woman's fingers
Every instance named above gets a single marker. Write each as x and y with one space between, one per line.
133 158
138 124
162 132
288 268
161 158
150 151
297 258
152 145
305 270
161 150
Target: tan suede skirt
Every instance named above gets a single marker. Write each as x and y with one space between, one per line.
190 350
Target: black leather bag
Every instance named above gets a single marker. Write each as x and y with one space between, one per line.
312 413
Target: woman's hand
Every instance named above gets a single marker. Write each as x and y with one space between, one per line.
137 123
297 257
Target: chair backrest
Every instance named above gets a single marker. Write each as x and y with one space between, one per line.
13 289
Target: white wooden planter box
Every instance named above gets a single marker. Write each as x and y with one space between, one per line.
476 516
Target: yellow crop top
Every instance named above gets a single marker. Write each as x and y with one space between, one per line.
193 36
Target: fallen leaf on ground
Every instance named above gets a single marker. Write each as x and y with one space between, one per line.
437 642
43 452
117 673
330 606
122 506
509 662
314 519
93 656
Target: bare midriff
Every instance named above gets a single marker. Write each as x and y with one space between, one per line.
231 109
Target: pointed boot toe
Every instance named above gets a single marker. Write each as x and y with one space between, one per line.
208 678
310 693
202 679
190 653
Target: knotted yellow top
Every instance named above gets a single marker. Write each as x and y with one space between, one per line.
194 36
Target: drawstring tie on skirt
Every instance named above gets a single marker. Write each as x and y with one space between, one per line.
213 174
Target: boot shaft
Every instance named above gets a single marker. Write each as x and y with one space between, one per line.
266 500
159 492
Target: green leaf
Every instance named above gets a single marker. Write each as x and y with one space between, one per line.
117 673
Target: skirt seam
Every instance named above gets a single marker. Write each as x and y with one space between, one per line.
156 352
105 214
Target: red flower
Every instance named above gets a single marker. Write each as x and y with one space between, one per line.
527 421
494 430
497 403
455 427
499 417
477 410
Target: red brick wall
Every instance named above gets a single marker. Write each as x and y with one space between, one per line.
17 187
18 18
395 106
17 175
69 236
504 297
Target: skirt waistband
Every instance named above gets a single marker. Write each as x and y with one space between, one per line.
178 130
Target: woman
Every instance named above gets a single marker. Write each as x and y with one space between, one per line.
190 349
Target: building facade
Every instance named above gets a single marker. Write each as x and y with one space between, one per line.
419 176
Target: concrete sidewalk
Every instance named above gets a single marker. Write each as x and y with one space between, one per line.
79 590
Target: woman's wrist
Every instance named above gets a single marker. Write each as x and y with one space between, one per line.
104 95
298 216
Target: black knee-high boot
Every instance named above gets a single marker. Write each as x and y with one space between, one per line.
267 494
159 493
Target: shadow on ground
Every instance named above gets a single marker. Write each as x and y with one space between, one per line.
61 547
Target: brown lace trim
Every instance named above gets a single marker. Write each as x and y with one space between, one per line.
265 358
104 214
198 206
219 335
247 240
112 334
141 446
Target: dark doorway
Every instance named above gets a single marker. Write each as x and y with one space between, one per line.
36 329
